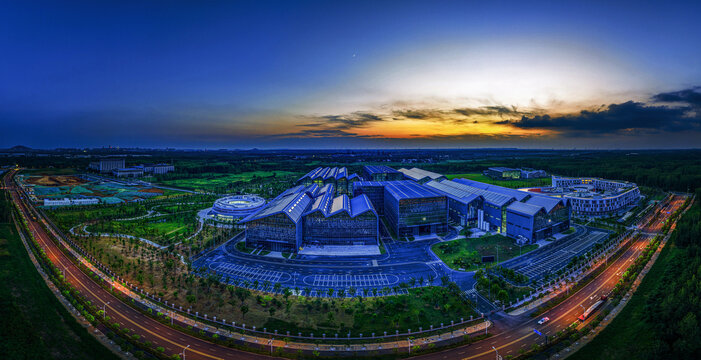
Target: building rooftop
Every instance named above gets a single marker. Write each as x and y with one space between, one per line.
499 168
417 174
379 169
407 189
547 202
517 194
459 193
328 173
524 208
292 202
492 197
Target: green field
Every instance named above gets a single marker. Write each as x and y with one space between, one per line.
211 181
161 229
35 324
624 336
466 254
539 182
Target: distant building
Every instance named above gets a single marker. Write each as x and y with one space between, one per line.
162 169
421 176
157 169
503 173
68 202
595 196
128 172
533 174
107 165
381 173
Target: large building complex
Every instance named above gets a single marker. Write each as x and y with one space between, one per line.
514 213
315 212
338 177
594 196
312 215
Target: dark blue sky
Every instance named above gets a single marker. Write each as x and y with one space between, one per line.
355 74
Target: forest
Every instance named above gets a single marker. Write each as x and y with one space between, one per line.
674 308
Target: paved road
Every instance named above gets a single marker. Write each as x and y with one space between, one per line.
552 257
515 333
150 329
402 263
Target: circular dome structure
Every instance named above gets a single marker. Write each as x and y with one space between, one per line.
236 206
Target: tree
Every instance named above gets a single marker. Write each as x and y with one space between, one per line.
244 310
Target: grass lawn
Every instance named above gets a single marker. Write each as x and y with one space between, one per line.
35 324
163 229
421 307
451 254
538 182
629 336
214 180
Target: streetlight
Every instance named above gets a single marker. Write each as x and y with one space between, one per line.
183 353
495 350
104 310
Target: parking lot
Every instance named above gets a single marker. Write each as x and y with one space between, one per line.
549 259
248 273
376 280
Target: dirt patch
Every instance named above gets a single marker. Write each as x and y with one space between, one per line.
58 180
151 190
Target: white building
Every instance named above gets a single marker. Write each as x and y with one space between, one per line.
595 196
128 172
69 202
107 165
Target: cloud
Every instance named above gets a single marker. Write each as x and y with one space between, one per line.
628 117
690 97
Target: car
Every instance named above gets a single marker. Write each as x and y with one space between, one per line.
543 320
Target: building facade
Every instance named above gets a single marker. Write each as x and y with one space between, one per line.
595 196
503 173
107 165
381 173
312 215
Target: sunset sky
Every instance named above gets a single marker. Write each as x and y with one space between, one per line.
329 74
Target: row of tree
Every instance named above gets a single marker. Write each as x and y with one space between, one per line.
673 309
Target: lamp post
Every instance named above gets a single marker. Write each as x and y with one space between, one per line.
183 353
495 350
104 309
